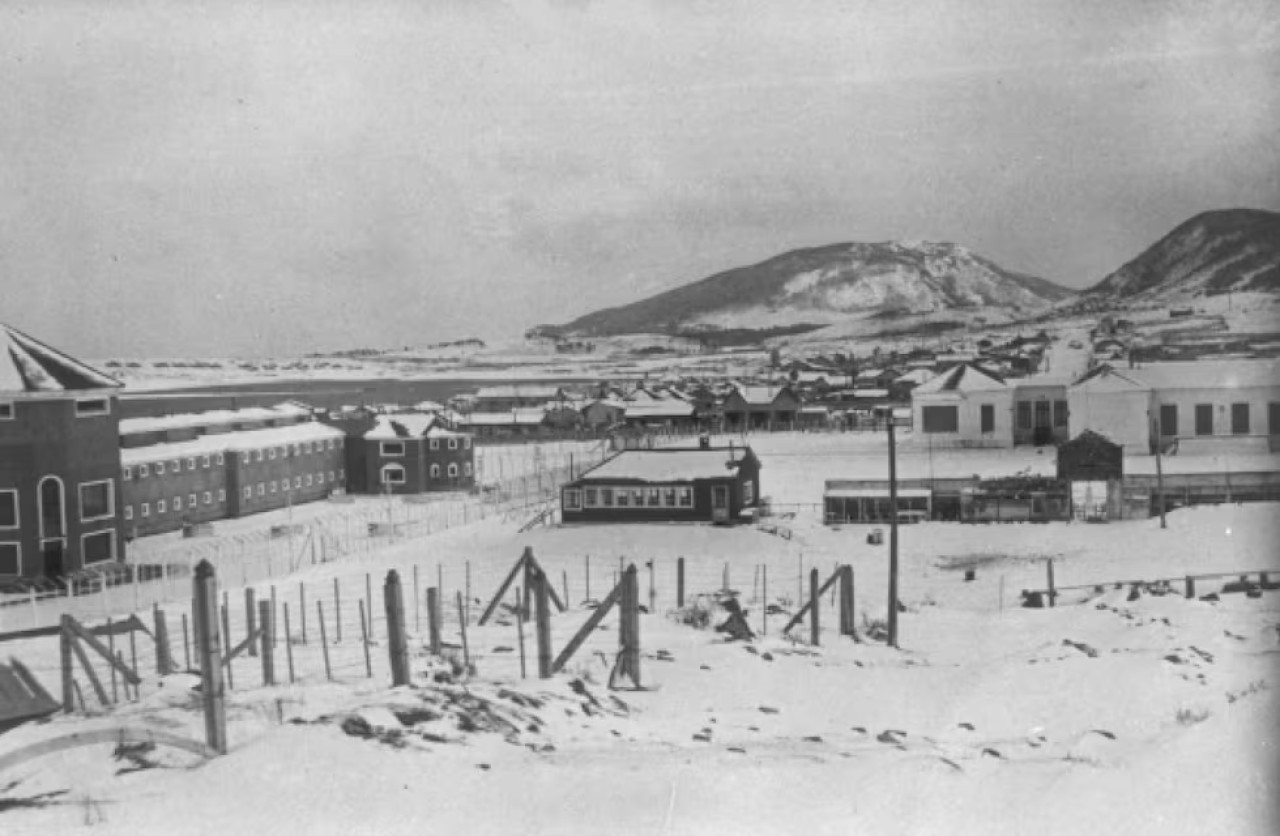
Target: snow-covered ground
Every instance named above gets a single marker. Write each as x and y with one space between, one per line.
1104 714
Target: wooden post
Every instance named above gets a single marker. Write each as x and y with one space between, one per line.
209 653
226 631
367 609
364 635
893 536
302 609
520 637
724 577
133 654
542 605
337 612
564 582
68 681
186 644
433 618
324 640
1053 593
417 605
111 645
274 616
764 599
815 598
755 583
288 642
128 694
653 593
462 623
250 618
680 582
1191 588
397 642
164 664
586 565
268 639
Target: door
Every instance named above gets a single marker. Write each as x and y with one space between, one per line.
1204 419
1168 419
719 503
1240 419
1042 434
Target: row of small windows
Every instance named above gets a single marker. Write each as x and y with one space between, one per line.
667 496
298 482
393 474
195 462
85 408
163 506
392 449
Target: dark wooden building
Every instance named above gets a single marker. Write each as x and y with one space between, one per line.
1093 467
409 454
59 462
666 485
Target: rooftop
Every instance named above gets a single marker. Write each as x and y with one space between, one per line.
213 418
231 442
29 366
671 465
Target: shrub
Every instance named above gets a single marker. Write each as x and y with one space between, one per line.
1191 716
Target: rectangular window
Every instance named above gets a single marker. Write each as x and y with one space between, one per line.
222 495
191 501
434 444
284 485
572 500
653 497
453 444
262 489
159 468
1042 415
160 506
142 471
9 509
606 497
176 466
274 485
6 411
204 461
191 463
1059 413
271 454
177 503
208 497
988 418
466 443
127 474
1024 415
1204 419
309 480
128 512
218 459
92 406
590 498
248 493
669 497
941 419
244 457
1239 419
297 483
1168 419
684 497
10 559
99 546
466 469
330 475
146 509
622 497
257 455
342 473
392 448
748 492
97 500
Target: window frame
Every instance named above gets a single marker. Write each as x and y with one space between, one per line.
387 470
88 407
144 509
111 500
388 449
110 534
572 499
8 410
17 509
931 426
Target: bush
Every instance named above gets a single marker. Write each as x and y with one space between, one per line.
1191 716
696 615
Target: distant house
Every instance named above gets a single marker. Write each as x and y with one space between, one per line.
507 398
602 412
521 421
672 414
760 408
874 379
408 454
1093 468
665 485
1040 413
963 407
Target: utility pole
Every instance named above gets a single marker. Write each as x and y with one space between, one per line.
893 536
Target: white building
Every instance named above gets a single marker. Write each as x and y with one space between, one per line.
963 407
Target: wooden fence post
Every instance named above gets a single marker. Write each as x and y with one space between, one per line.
64 647
288 642
186 643
367 609
520 636
275 618
1053 594
397 643
680 582
337 612
417 605
364 635
226 631
324 640
653 592
815 598
433 618
164 664
302 609
1191 588
268 638
847 623
764 599
209 653
542 603
111 645
462 625
632 650
250 618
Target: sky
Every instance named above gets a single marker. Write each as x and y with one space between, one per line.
190 179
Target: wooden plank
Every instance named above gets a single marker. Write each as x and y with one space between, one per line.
101 650
592 623
101 736
242 647
798 617
502 590
551 590
88 670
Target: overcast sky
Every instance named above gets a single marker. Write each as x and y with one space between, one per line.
213 178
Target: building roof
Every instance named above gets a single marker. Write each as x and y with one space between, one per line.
1209 374
29 366
660 409
760 395
877 493
1104 378
524 417
962 378
232 442
394 427
214 418
916 376
678 465
523 392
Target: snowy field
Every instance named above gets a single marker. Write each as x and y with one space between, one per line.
1104 714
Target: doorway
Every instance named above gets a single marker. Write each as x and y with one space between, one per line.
719 503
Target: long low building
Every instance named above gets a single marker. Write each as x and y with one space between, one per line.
666 485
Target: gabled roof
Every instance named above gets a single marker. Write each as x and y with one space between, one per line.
407 425
916 376
760 395
1209 374
527 391
28 365
1105 378
962 378
660 409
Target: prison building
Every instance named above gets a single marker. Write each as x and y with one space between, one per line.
170 485
59 462
760 408
411 454
666 485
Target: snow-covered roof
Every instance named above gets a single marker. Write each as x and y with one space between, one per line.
525 391
760 395
660 409
609 402
877 493
231 442
534 415
1107 379
917 376
867 374
869 393
28 365
393 427
214 418
962 378
1209 374
667 465
429 406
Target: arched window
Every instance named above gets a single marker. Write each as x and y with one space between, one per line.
453 470
435 471
392 474
53 514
